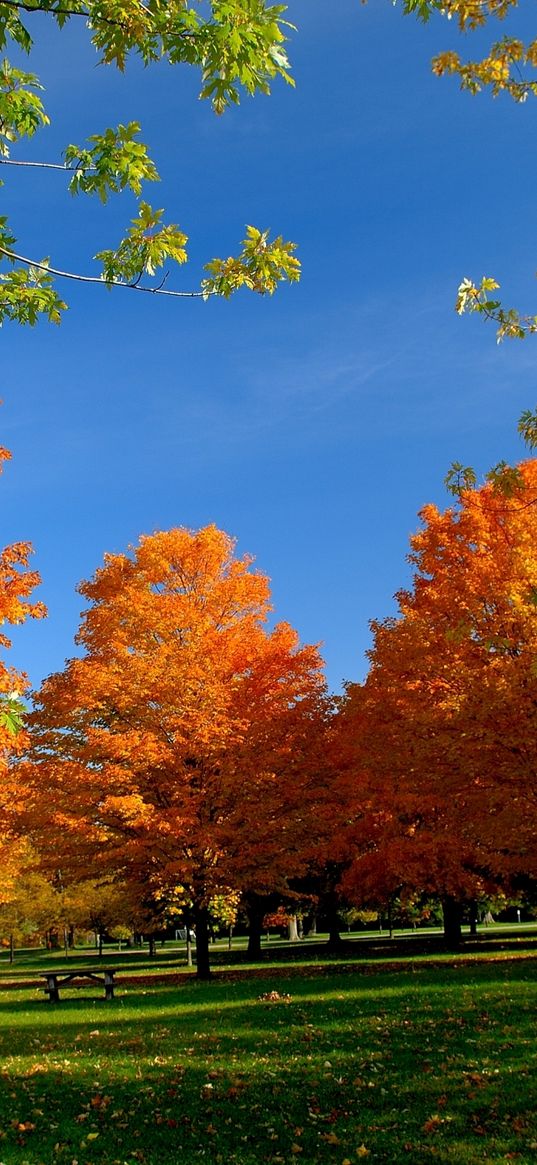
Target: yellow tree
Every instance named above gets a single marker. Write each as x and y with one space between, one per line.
443 733
184 747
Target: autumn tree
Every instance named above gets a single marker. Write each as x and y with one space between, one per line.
17 582
28 901
184 748
442 733
238 46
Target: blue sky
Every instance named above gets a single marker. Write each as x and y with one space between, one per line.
311 426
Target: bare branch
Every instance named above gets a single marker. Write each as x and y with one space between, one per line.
44 165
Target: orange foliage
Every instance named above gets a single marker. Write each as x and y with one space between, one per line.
442 736
185 746
16 584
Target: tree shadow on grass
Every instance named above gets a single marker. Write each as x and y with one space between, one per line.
393 1069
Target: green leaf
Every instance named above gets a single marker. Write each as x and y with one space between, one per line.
459 478
260 266
21 109
26 294
12 712
114 161
527 427
145 248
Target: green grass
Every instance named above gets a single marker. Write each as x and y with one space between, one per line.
385 1066
364 947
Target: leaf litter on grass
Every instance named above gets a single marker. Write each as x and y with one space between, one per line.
389 1074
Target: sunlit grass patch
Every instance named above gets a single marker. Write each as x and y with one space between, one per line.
403 1067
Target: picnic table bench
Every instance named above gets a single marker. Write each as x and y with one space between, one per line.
57 979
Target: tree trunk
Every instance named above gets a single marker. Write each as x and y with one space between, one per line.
473 918
152 946
11 948
229 938
329 902
293 929
452 910
100 944
256 913
203 963
312 927
335 941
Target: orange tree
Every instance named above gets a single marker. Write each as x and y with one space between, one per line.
184 748
17 582
442 736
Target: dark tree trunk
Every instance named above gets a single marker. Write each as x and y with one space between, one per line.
473 918
452 910
254 937
331 903
100 944
152 946
257 909
203 963
11 948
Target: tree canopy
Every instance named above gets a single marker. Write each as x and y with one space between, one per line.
184 748
507 67
17 582
237 46
443 729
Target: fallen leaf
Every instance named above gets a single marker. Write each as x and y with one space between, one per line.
432 1124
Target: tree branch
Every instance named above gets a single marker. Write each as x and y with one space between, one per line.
94 17
102 282
57 11
46 165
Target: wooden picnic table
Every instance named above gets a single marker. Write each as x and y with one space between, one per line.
57 979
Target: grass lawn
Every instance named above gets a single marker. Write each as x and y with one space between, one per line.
388 1066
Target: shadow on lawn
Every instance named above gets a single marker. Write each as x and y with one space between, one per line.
364 948
400 1065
